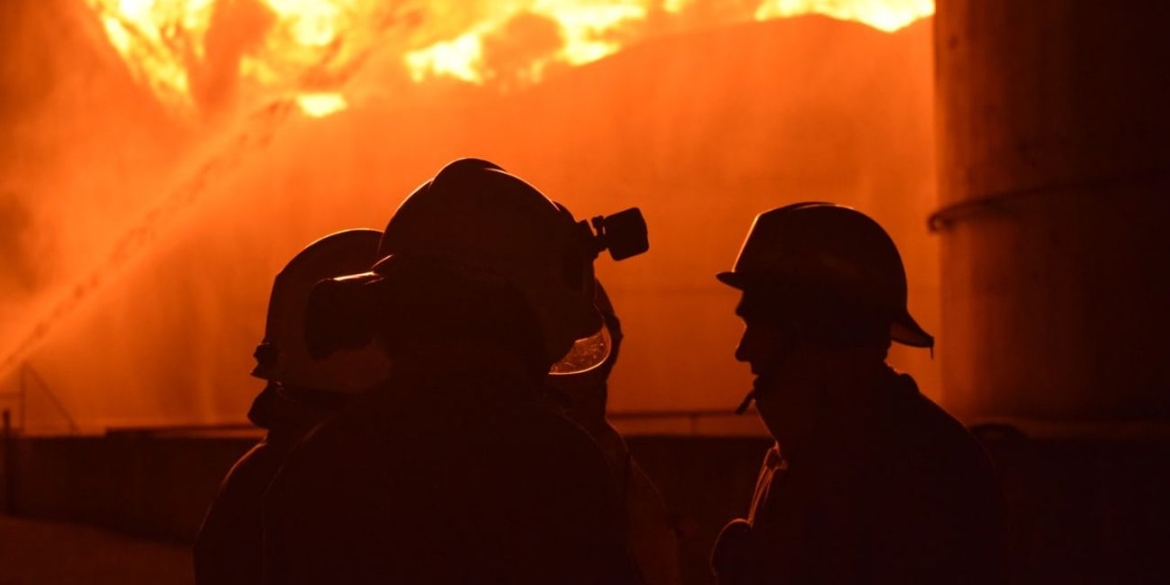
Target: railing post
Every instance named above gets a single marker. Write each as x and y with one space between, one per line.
9 446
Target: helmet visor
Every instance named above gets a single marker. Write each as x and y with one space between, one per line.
586 354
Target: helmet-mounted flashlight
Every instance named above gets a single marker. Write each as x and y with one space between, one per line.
623 234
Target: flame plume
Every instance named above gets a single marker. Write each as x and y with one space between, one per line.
886 15
199 54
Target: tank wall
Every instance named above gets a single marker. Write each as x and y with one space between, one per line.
1052 125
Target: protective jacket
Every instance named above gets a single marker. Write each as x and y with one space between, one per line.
651 533
451 473
902 494
228 547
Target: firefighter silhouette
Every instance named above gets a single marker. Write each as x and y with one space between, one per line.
299 394
869 481
455 470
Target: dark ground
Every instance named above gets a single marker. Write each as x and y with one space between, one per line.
1085 505
37 552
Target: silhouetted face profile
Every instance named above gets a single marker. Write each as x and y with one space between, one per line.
762 347
786 391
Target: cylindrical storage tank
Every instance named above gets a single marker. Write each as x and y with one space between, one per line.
1054 148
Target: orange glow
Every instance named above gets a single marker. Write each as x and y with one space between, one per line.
163 235
195 54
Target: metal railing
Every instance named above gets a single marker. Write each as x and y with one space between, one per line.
692 422
29 379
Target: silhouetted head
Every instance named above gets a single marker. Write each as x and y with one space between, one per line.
828 273
823 290
283 356
484 229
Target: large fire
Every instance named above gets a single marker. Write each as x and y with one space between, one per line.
153 228
197 53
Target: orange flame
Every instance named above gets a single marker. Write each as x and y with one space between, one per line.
195 53
587 29
148 35
317 105
579 27
887 15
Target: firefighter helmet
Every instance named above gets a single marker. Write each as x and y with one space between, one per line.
476 215
282 356
825 250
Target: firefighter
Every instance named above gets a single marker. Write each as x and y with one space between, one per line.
868 481
300 392
455 470
651 533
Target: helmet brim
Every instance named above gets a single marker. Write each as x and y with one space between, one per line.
907 331
736 280
904 329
